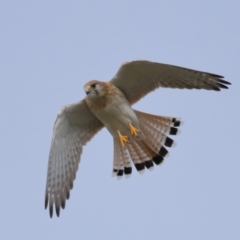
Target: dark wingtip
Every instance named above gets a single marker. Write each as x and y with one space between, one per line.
215 75
224 82
222 86
57 208
68 194
215 88
46 201
51 211
63 204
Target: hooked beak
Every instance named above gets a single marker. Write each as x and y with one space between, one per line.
87 90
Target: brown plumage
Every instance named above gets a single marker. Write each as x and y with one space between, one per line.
139 138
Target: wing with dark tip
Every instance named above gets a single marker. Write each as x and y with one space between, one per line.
137 78
74 127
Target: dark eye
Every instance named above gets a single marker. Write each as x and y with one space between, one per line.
93 85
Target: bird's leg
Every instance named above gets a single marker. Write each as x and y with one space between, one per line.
123 139
134 131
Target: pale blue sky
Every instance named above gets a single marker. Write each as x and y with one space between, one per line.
50 49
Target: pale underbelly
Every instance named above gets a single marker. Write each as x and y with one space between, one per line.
117 118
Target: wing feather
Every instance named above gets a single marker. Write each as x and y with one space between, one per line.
137 78
74 127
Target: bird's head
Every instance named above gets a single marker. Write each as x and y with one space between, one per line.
99 94
94 89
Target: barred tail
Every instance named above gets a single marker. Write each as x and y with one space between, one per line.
149 151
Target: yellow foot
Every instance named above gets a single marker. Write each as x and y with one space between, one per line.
123 139
134 131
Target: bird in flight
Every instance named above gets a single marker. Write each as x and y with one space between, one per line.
138 137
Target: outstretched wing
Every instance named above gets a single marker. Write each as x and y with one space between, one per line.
74 127
137 78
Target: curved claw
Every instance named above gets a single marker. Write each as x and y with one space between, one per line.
134 131
123 139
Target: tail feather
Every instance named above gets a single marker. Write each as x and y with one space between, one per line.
141 154
157 138
122 160
144 152
166 125
148 162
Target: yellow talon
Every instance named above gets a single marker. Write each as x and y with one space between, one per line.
123 139
134 131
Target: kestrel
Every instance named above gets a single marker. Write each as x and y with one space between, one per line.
138 137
